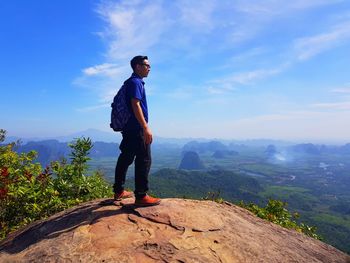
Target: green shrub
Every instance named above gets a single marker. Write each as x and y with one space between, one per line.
28 192
214 196
275 211
70 179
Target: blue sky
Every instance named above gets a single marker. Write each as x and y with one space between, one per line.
220 69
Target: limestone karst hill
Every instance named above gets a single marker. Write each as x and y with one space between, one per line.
175 231
191 161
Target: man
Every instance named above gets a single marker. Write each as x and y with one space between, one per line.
137 138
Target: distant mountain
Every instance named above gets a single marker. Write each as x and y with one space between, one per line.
11 139
175 141
345 149
201 147
48 150
220 154
271 150
262 142
235 145
191 161
53 150
307 148
104 149
94 135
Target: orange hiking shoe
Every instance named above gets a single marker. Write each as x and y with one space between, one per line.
123 195
147 201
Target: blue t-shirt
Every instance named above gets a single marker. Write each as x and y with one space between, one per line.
134 88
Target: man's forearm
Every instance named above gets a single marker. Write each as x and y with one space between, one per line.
136 107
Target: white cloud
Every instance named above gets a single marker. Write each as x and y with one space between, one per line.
345 105
106 69
342 105
132 27
93 108
248 55
198 16
180 94
302 4
216 91
230 83
308 47
214 101
305 48
341 90
250 76
301 125
277 7
247 19
103 85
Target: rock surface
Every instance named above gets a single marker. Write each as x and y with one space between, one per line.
177 230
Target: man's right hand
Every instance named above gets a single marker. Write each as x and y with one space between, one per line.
148 135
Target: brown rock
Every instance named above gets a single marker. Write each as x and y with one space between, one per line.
175 231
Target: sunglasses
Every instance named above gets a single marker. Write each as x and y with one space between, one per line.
147 65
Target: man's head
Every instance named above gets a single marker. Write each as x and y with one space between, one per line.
140 66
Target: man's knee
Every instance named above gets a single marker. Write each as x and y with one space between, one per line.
143 160
148 160
126 158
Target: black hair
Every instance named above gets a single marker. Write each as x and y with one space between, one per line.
137 60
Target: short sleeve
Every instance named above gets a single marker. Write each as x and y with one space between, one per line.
135 90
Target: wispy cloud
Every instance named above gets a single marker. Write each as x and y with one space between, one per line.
342 103
235 80
273 7
214 101
249 77
218 91
302 125
302 4
181 94
308 47
284 116
132 26
106 69
199 16
345 90
247 55
93 108
249 18
345 105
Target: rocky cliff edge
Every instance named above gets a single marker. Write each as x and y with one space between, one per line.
177 230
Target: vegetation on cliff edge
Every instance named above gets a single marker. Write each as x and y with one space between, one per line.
29 192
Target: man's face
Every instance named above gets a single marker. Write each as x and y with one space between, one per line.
143 69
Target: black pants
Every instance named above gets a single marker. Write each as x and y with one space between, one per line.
132 146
